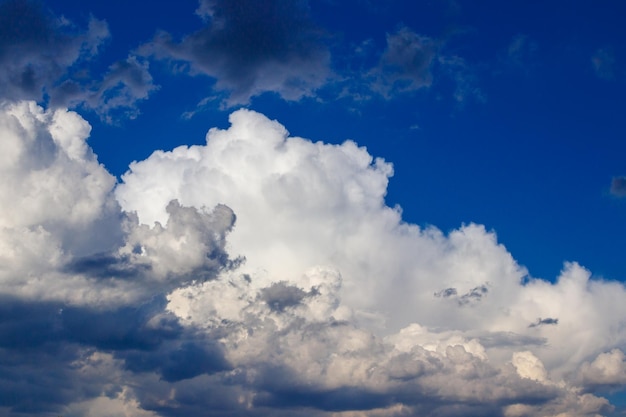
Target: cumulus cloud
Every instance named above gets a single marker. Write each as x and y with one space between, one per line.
316 299
250 48
356 301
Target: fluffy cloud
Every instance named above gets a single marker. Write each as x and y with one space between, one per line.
339 298
251 48
150 298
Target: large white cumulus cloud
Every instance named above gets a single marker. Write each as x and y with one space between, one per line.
319 238
150 298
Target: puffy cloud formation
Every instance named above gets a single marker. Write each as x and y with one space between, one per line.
150 298
251 48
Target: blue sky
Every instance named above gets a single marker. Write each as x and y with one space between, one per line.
522 133
459 199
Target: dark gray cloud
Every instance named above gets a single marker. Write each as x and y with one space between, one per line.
44 57
37 48
43 343
406 63
448 292
281 295
472 296
115 96
618 186
546 321
252 47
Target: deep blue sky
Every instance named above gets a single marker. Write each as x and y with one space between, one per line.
529 150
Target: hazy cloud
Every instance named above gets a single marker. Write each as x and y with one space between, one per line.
251 48
603 61
406 63
115 96
618 186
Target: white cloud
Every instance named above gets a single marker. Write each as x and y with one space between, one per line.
340 308
461 299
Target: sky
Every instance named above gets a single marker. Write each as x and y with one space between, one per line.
312 208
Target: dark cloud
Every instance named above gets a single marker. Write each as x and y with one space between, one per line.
472 296
340 399
542 322
37 48
45 58
252 47
406 63
618 186
115 96
106 265
181 361
448 292
281 295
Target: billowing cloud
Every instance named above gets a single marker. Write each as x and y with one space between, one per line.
263 274
250 48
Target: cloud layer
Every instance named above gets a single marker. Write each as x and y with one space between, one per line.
264 274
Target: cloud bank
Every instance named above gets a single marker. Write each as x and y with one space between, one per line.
264 274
